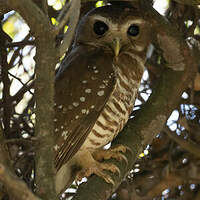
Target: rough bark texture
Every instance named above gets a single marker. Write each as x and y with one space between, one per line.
44 94
46 60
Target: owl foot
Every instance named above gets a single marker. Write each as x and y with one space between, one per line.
113 152
98 169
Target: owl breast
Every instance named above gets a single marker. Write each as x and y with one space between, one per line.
117 109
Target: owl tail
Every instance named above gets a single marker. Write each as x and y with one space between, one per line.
64 177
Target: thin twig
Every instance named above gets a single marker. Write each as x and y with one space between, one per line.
22 141
6 82
20 44
24 84
64 15
189 2
18 96
17 51
74 16
186 144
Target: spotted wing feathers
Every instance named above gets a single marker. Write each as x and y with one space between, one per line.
83 86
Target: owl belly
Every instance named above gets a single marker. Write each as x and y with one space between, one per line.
114 115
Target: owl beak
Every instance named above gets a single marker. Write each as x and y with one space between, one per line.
116 45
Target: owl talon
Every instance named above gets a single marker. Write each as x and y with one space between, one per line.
121 157
122 148
98 169
113 152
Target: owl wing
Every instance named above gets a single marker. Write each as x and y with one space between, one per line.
83 85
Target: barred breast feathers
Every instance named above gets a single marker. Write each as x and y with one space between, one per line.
118 108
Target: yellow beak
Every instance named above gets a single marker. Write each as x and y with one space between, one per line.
116 46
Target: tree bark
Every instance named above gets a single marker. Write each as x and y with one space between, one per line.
46 59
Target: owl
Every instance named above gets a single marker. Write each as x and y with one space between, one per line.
96 87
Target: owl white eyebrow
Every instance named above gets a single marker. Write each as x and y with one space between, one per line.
132 21
136 21
100 18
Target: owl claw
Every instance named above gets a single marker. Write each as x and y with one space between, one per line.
109 180
122 157
113 152
98 169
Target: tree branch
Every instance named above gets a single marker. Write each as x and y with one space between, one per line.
150 120
5 81
186 144
46 59
84 1
169 181
74 17
189 2
33 15
15 186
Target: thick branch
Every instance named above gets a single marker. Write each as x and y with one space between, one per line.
33 15
17 188
44 94
46 59
150 120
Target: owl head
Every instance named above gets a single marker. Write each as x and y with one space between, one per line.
114 28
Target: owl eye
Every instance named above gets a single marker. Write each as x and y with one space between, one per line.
100 28
133 30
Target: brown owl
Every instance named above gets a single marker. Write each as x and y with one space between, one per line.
95 90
